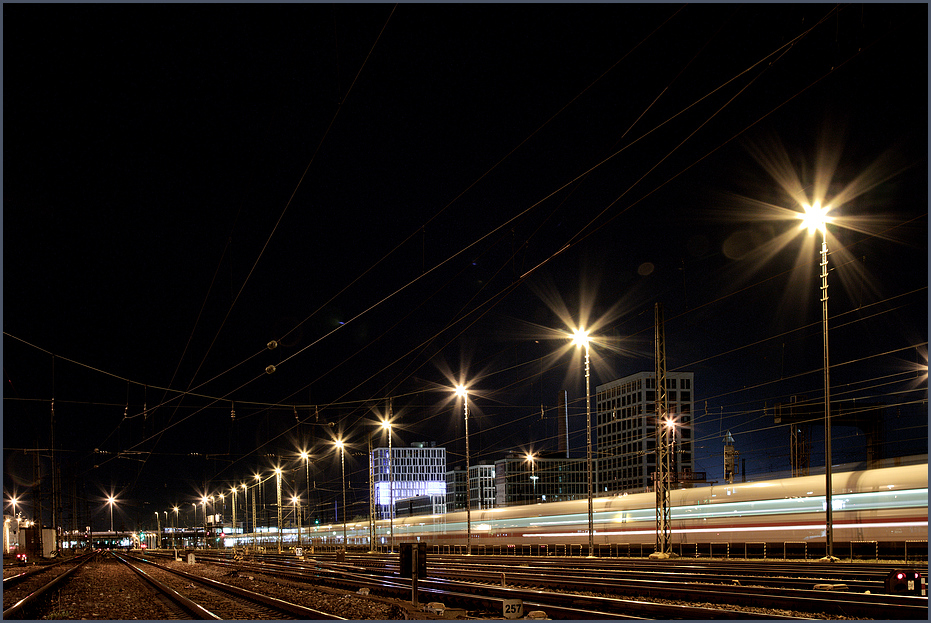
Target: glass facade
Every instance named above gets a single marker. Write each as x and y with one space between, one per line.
546 478
626 430
418 471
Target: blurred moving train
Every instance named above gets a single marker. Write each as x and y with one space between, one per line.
883 505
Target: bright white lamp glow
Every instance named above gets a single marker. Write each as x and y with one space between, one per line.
815 218
580 337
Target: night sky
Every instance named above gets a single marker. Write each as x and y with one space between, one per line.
408 197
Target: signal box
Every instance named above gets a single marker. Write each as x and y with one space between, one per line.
407 560
904 582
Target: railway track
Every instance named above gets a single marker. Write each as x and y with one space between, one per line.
566 592
38 594
25 590
205 598
857 578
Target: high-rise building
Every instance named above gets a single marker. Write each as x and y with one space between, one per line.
547 477
481 481
482 486
455 490
626 430
418 470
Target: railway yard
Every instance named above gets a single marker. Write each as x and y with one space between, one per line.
216 585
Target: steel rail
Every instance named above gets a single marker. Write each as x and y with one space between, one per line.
281 605
17 609
194 609
473 595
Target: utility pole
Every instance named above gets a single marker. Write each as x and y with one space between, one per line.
663 435
371 496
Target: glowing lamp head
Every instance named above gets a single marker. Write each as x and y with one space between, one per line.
815 218
304 455
338 443
580 337
461 391
386 425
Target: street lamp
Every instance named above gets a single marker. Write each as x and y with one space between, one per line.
580 338
245 495
110 501
233 492
464 394
203 501
278 485
173 543
342 457
158 531
295 511
195 524
258 479
533 475
306 457
387 426
816 218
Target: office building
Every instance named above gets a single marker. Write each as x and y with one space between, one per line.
481 481
419 470
546 477
626 431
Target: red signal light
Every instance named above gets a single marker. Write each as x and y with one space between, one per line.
904 582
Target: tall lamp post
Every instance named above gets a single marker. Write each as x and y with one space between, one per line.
233 492
296 513
815 218
258 479
222 512
387 426
533 476
580 338
173 540
203 502
158 531
342 458
195 524
464 393
306 457
110 501
278 484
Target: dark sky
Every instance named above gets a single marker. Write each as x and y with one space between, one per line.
398 195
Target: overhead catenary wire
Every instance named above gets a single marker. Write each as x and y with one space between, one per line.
347 402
